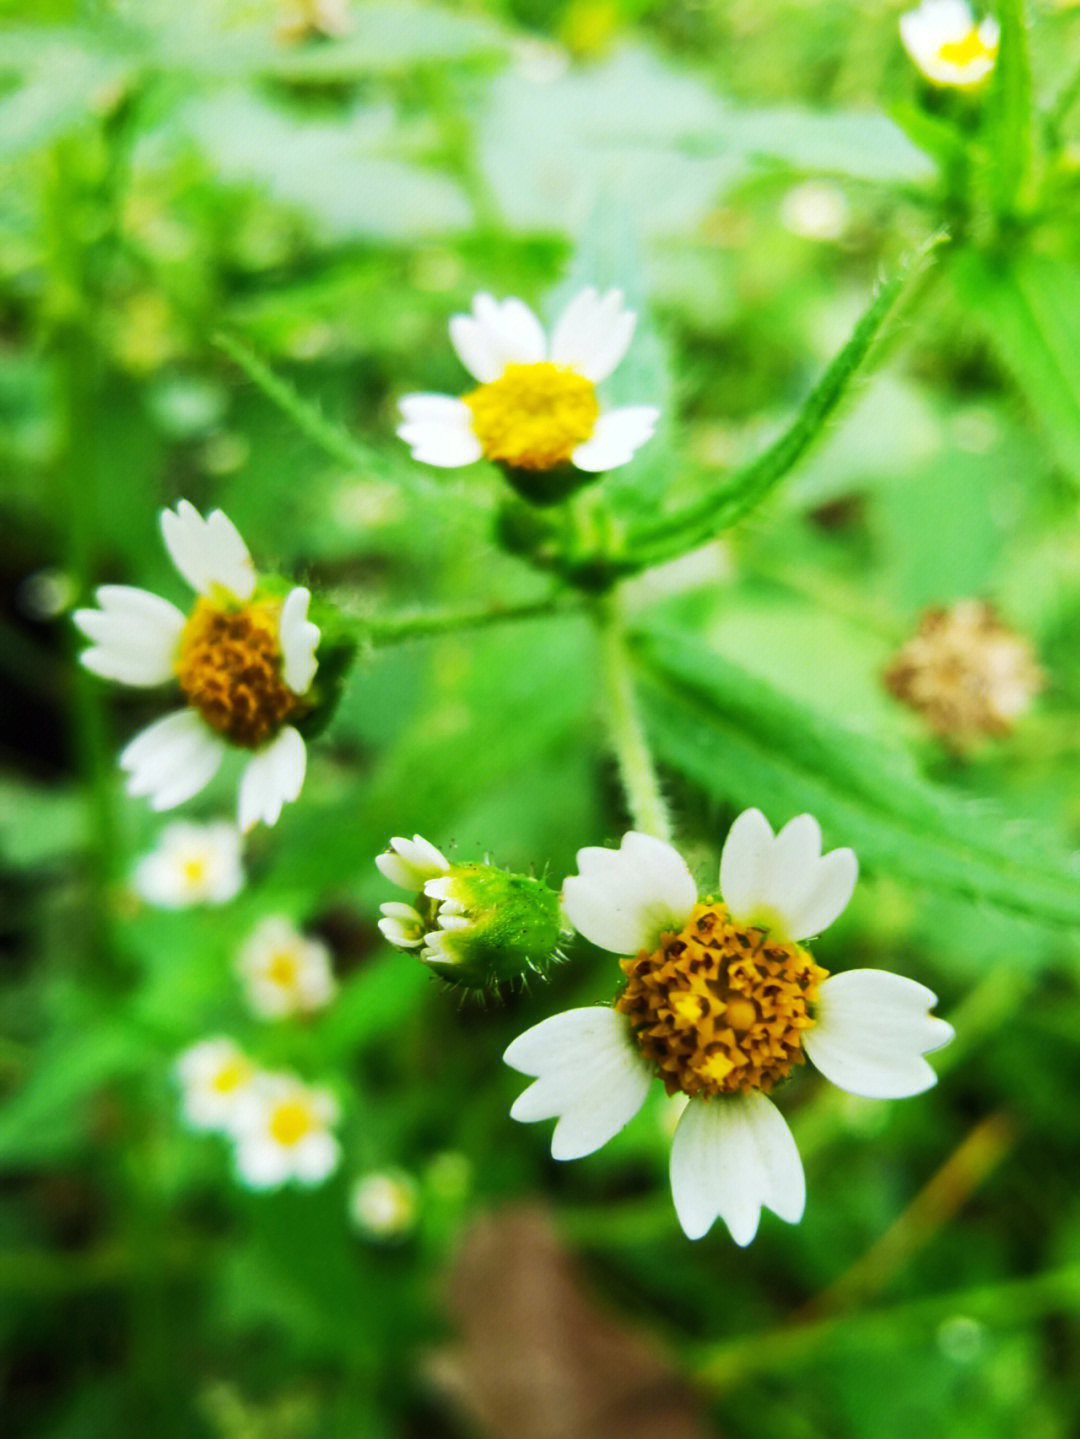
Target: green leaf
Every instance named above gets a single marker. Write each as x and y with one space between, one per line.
65 77
48 1117
361 176
1029 309
746 743
748 487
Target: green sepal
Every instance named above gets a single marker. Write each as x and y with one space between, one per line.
547 487
336 652
515 925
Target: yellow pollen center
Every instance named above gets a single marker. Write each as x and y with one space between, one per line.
966 51
194 870
282 970
229 667
231 1076
290 1121
533 417
720 1009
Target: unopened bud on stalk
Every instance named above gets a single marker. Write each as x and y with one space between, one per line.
475 925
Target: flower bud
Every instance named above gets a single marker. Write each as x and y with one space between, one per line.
474 924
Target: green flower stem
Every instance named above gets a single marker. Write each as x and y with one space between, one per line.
400 629
644 797
717 511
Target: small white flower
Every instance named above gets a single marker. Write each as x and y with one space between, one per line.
283 1133
536 407
942 38
283 971
721 1001
216 1078
384 1204
245 663
191 864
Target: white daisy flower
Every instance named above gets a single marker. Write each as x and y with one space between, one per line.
944 41
284 971
216 1078
384 1204
721 1001
191 864
283 1133
245 662
536 407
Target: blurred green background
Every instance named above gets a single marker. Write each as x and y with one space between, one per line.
745 172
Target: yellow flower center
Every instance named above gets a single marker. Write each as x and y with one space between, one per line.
283 969
966 51
719 1009
231 1076
290 1121
229 667
533 417
194 869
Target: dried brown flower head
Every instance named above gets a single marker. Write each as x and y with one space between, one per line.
966 673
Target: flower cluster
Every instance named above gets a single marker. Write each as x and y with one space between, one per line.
279 1127
721 1000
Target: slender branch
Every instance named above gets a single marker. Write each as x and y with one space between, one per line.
399 629
719 510
644 797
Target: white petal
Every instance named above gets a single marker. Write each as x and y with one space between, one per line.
274 776
592 334
615 437
496 335
316 1158
744 863
784 882
730 1158
401 933
591 1075
172 759
135 636
260 1163
208 553
872 1029
833 885
624 899
438 430
299 638
477 350
410 863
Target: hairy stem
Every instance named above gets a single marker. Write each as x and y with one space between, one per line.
644 798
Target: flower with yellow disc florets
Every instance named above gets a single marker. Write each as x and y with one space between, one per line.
947 45
474 924
536 411
244 657
721 1001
